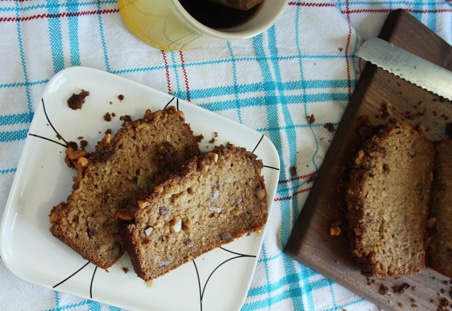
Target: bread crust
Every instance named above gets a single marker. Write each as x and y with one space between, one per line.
118 169
440 234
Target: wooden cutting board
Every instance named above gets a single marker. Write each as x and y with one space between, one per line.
378 97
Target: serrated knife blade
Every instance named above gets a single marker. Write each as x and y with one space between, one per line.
407 66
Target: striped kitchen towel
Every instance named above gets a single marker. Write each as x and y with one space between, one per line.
303 65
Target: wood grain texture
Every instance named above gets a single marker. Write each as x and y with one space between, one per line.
378 97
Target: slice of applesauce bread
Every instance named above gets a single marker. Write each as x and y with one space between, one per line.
388 201
214 199
116 171
440 246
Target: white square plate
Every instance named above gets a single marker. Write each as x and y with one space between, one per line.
218 280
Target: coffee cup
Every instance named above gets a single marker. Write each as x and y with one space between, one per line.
185 24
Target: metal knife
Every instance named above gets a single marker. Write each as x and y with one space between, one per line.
407 66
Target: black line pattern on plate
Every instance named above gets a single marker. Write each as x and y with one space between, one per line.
171 100
53 127
92 282
271 167
70 276
75 273
257 145
202 289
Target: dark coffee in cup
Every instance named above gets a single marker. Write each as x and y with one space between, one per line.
218 16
